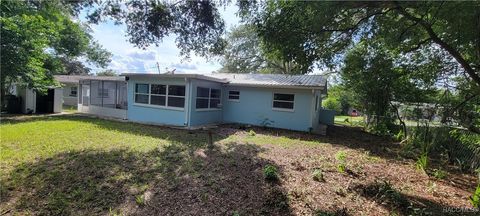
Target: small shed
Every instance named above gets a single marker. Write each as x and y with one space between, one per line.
36 102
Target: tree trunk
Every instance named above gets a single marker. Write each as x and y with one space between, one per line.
404 126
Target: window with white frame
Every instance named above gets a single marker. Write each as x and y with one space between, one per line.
234 95
73 91
160 95
316 103
142 92
283 101
208 98
176 96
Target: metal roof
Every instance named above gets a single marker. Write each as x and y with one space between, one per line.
179 75
253 80
273 80
77 78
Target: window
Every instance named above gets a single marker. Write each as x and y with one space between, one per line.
160 95
176 96
141 93
316 103
73 91
208 98
283 101
234 95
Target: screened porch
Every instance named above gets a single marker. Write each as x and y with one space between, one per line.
103 97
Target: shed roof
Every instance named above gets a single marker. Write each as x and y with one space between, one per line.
77 78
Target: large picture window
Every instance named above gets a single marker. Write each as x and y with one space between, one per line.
208 98
283 101
160 95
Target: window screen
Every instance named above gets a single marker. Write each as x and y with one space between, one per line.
208 98
283 101
160 95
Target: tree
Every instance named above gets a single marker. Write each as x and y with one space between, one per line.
40 39
108 72
322 32
344 97
197 25
377 80
244 54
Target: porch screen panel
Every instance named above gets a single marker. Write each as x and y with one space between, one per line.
96 93
108 94
122 95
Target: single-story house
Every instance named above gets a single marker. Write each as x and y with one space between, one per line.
193 100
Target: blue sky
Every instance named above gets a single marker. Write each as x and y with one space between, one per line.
129 59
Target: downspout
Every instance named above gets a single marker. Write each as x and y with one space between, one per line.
187 101
312 108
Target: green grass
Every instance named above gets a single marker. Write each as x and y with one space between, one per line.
32 140
349 120
69 109
83 165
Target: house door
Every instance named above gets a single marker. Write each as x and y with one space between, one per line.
85 95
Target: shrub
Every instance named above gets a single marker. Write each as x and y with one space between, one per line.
341 157
270 173
332 104
475 198
317 175
422 162
439 174
140 200
252 133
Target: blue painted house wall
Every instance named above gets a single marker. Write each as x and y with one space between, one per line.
202 117
152 114
255 108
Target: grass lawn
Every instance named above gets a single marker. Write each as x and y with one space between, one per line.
349 120
76 165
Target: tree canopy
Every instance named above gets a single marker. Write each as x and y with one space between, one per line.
244 53
40 39
322 32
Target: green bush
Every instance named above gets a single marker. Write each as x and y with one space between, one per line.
439 174
422 162
332 104
270 173
317 175
475 198
140 200
252 133
341 157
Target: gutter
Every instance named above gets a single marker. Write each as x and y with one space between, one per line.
277 86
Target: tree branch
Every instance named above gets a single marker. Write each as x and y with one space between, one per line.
418 45
434 37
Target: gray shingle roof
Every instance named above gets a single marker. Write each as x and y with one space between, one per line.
272 80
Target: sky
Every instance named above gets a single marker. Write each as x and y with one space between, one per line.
129 59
